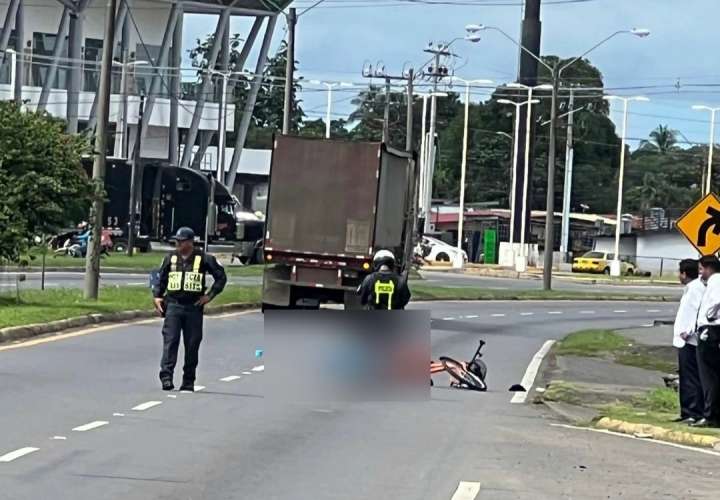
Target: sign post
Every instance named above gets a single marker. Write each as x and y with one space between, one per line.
701 225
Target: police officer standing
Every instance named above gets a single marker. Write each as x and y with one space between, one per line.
180 298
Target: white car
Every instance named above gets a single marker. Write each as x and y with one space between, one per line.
434 250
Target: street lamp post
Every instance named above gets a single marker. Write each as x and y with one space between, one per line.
328 113
121 144
463 166
615 266
556 73
711 146
222 121
521 260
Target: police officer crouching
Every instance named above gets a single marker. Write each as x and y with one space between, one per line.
180 298
384 288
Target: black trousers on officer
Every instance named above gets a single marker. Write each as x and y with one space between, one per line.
187 319
708 356
692 400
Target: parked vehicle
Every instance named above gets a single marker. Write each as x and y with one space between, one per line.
599 262
331 205
435 250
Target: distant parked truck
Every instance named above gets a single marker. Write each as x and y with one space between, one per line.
331 205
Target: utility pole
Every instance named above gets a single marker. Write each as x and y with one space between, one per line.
289 70
550 198
386 115
92 262
567 188
133 179
222 117
409 121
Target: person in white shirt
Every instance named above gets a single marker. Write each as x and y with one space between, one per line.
708 349
692 403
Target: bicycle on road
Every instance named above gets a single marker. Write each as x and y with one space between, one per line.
470 375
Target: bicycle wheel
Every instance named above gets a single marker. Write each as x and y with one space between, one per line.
459 373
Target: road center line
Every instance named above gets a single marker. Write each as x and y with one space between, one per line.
199 388
147 405
555 312
448 319
529 378
466 490
9 457
472 316
90 426
59 438
230 378
247 373
260 368
653 310
587 312
498 315
526 314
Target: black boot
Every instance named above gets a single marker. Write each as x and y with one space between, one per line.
167 385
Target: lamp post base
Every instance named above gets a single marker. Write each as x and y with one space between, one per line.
615 268
521 263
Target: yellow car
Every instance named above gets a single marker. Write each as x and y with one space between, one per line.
599 262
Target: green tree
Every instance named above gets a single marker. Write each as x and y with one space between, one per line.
268 112
662 140
44 184
316 128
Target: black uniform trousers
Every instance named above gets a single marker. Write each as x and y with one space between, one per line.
692 400
708 356
188 319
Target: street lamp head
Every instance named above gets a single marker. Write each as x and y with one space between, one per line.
535 101
473 37
640 98
516 85
699 107
315 82
640 32
474 28
506 101
544 86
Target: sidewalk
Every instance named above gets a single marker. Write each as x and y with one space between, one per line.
615 381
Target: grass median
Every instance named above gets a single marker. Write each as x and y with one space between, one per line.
610 344
426 292
140 262
37 306
43 306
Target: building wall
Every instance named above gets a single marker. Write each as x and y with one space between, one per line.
607 244
663 250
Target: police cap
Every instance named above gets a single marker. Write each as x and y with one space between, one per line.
184 234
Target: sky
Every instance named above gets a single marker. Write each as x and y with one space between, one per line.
675 67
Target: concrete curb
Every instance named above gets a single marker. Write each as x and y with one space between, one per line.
15 333
659 433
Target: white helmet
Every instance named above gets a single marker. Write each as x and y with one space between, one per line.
383 257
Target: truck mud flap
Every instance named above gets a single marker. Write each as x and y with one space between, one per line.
276 293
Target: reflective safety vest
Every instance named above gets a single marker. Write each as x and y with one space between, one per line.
191 281
384 288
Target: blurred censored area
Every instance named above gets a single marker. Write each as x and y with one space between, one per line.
326 356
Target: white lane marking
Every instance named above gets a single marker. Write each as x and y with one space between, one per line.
448 319
9 457
587 312
498 315
526 314
146 405
118 414
90 426
555 312
136 284
529 378
59 438
619 311
647 325
172 396
247 373
199 388
653 310
230 378
466 490
472 316
259 368
647 440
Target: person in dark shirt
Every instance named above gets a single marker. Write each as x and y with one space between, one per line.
180 297
384 288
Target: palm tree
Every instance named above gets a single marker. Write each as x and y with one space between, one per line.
662 140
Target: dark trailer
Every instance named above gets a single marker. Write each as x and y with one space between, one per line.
169 198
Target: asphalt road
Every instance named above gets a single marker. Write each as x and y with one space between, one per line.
227 442
75 280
